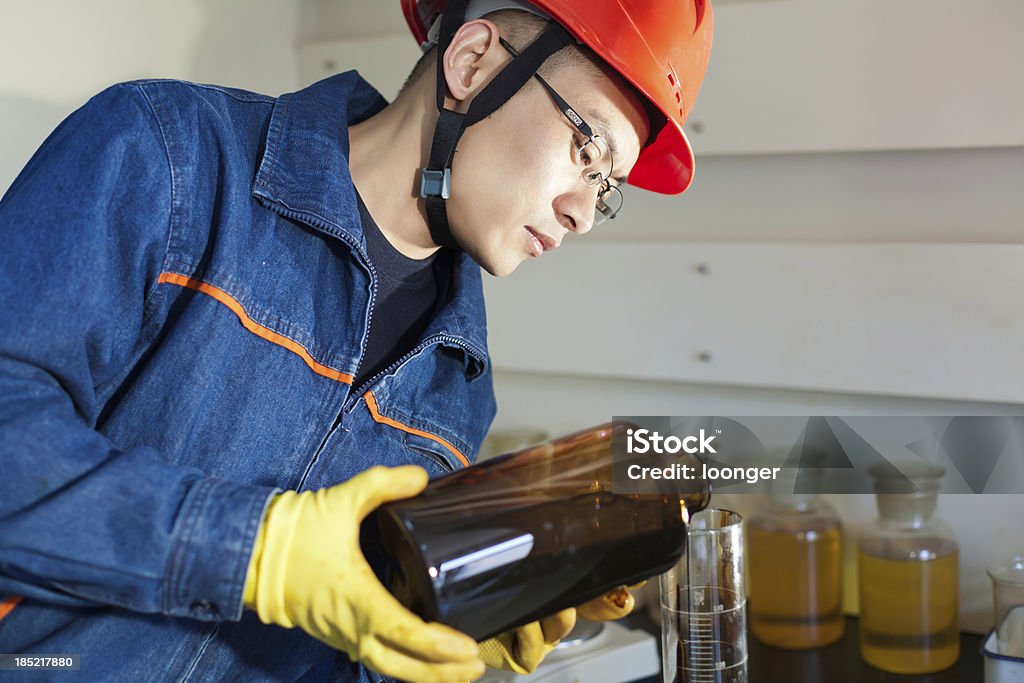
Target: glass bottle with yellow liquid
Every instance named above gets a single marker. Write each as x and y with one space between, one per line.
908 563
796 572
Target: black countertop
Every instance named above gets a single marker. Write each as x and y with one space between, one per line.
837 663
841 663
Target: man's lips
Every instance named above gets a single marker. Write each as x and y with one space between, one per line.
539 242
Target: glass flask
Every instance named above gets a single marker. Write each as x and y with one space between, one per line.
1008 603
796 572
526 534
908 563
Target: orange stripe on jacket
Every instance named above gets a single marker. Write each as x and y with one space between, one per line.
8 604
371 403
253 326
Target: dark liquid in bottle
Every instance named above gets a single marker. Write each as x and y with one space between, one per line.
521 537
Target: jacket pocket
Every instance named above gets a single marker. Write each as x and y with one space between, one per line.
433 456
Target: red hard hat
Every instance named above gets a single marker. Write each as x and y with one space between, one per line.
660 46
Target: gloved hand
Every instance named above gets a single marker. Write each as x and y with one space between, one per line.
522 649
610 606
307 570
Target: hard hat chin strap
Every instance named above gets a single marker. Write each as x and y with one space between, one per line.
435 179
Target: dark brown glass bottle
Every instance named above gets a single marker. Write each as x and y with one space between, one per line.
526 534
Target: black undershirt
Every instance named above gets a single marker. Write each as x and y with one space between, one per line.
406 300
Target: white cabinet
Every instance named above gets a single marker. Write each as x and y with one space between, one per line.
838 75
935 321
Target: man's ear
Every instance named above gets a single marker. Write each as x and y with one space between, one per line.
471 60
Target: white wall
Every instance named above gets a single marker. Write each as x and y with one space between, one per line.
55 54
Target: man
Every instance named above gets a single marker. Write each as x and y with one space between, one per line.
222 310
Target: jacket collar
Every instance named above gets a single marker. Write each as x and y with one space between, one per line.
304 174
304 171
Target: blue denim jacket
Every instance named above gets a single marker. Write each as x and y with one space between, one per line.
185 297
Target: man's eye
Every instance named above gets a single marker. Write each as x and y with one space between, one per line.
581 149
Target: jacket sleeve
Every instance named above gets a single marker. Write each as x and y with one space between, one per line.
83 232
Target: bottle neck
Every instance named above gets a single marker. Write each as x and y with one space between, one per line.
802 502
907 509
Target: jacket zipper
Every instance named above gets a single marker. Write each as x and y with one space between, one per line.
365 262
354 396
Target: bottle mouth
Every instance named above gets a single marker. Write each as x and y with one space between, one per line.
797 501
714 521
1009 572
914 477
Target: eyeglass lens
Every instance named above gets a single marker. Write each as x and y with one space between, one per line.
596 159
609 203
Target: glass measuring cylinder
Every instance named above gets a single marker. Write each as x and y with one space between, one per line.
703 604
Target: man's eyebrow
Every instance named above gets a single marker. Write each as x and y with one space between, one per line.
606 134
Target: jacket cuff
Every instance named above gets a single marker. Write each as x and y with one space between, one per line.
217 531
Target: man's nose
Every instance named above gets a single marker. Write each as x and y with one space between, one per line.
576 209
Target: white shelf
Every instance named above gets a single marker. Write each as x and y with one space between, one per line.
930 321
830 75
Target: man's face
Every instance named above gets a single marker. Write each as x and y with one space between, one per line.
517 188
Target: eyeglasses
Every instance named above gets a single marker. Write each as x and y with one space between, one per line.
591 153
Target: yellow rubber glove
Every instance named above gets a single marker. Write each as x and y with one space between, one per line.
523 649
610 606
307 570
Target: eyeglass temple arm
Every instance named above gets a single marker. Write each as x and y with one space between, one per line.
567 111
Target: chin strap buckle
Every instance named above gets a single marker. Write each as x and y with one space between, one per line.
436 183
